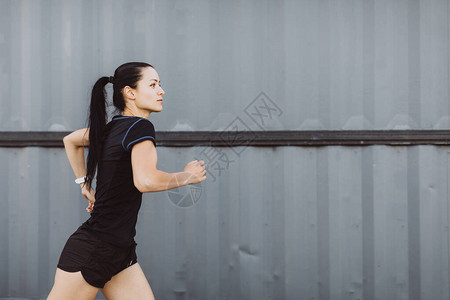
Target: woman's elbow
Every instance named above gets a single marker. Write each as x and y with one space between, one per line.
76 139
146 185
67 140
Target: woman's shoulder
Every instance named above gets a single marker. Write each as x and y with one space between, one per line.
132 130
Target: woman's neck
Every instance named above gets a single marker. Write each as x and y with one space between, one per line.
128 112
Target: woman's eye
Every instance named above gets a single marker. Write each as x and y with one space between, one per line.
153 85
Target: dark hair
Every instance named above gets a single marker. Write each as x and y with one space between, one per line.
127 74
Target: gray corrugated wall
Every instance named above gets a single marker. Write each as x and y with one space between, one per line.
329 64
280 223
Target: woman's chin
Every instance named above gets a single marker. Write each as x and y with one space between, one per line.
156 109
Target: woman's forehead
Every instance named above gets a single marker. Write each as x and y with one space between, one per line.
150 74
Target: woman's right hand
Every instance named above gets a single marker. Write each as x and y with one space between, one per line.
89 194
197 171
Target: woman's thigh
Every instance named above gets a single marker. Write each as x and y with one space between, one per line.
71 286
128 284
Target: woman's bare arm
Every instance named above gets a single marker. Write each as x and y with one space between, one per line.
147 177
74 144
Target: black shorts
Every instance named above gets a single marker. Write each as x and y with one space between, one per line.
98 261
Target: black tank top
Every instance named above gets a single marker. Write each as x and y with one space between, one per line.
117 200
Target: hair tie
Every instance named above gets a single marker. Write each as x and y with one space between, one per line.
111 79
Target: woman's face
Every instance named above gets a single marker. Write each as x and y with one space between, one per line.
148 91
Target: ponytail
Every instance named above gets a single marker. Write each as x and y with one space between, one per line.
97 125
127 74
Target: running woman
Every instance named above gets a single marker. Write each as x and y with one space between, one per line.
101 253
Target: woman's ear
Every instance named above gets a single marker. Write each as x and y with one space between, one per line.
128 92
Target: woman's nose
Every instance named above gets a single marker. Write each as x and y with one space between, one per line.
161 92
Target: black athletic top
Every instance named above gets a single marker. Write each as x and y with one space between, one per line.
117 200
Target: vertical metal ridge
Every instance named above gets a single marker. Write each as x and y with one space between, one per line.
44 226
323 225
448 215
414 60
368 230
413 192
5 213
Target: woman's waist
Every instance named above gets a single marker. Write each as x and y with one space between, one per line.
122 239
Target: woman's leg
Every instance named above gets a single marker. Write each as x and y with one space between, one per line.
128 284
69 286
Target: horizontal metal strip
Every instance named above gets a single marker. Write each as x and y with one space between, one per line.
312 138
